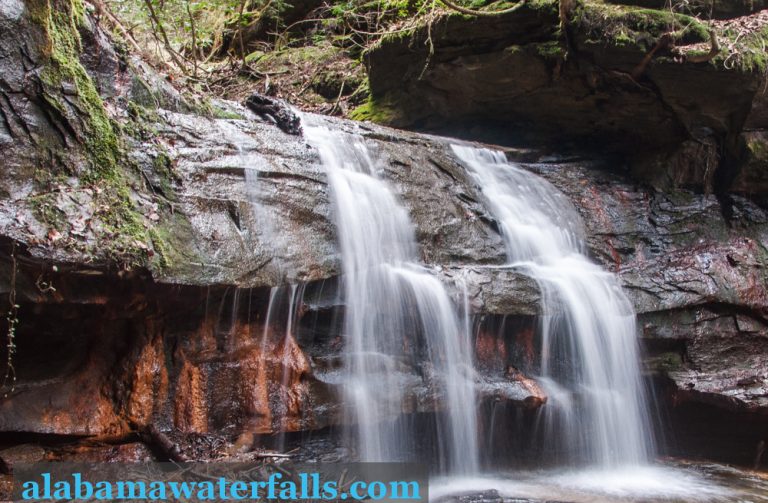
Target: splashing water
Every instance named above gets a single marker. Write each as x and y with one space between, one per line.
589 359
398 316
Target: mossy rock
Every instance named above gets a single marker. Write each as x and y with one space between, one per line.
718 9
338 80
379 111
119 232
747 51
288 59
622 26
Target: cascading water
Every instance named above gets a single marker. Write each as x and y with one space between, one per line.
589 357
398 316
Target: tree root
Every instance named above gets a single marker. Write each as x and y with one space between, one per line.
714 50
472 12
667 41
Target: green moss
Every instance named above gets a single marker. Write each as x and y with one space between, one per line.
44 205
399 35
124 232
550 7
624 26
254 56
171 240
550 50
160 239
100 139
398 8
384 10
220 113
208 108
745 52
374 111
163 167
143 113
140 125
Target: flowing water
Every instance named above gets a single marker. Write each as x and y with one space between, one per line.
398 317
675 482
403 333
589 357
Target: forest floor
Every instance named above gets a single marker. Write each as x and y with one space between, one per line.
311 53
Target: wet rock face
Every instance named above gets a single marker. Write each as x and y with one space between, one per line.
202 358
100 355
698 280
252 206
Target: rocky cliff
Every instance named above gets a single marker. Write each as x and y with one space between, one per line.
681 101
159 246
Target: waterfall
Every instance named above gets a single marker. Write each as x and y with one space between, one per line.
398 317
589 357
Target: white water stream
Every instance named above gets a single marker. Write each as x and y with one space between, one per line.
397 316
402 332
589 354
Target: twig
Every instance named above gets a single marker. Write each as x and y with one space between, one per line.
164 35
122 29
338 98
759 454
194 36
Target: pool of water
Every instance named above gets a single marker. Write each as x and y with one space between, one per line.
669 481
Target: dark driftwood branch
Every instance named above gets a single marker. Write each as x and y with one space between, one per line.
472 12
151 435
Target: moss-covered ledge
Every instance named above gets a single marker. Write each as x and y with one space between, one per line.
622 80
80 198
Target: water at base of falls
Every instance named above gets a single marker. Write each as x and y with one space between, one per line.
674 482
400 325
589 364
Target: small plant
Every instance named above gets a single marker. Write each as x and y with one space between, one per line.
12 319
